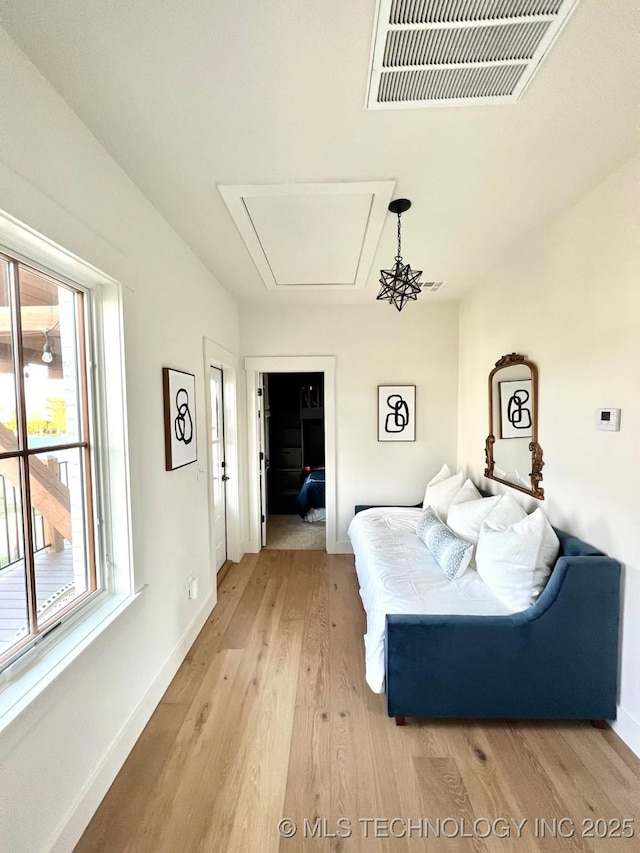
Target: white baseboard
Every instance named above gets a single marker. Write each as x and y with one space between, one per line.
78 817
249 546
343 546
628 729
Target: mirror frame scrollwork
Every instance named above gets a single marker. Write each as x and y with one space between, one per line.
536 451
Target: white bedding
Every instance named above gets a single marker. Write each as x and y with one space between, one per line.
397 574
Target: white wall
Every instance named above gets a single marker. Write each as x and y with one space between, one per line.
55 177
569 298
374 345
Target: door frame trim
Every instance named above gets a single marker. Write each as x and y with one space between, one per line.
218 356
221 371
292 364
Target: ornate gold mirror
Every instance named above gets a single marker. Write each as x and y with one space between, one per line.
513 454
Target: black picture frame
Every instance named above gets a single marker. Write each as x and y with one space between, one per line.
180 434
396 412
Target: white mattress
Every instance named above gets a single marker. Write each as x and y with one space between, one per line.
397 574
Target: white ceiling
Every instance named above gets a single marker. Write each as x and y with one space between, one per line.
186 96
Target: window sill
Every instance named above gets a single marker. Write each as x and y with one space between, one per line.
30 676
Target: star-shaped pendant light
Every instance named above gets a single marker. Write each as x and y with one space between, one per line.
400 283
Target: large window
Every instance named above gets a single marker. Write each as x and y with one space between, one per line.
47 547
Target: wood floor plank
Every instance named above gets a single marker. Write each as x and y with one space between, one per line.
270 717
488 789
615 768
163 804
257 798
375 735
346 630
300 583
534 791
222 773
313 681
355 792
446 802
239 628
208 765
575 783
309 778
626 755
197 760
187 679
110 828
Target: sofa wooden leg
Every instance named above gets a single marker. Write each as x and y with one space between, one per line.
599 724
401 721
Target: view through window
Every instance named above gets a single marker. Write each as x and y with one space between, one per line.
47 564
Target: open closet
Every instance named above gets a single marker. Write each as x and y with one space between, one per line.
295 449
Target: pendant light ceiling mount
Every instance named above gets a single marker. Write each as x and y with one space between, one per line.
399 205
400 283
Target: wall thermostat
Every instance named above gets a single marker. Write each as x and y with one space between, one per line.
608 419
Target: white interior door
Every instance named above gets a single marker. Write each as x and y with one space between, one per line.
218 468
263 450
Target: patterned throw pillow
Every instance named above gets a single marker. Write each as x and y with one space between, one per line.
452 553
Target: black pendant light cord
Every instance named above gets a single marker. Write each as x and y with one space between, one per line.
399 255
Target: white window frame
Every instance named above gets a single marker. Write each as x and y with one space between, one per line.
39 663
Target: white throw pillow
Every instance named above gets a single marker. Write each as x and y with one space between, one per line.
515 561
443 474
467 492
465 518
441 491
549 551
507 511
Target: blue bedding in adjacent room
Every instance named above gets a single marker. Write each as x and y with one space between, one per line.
311 494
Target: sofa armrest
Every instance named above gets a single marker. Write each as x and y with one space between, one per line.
556 660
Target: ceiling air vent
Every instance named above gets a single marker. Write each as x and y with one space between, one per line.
430 53
432 286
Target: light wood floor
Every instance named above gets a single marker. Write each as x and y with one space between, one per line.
270 717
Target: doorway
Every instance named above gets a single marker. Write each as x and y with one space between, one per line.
293 469
218 474
257 367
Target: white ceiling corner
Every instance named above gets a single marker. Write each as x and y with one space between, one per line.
311 237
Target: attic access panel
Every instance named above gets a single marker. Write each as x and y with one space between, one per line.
311 236
434 53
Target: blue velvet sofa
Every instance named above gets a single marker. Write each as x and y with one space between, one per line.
556 660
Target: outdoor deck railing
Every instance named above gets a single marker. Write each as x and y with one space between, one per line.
11 539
